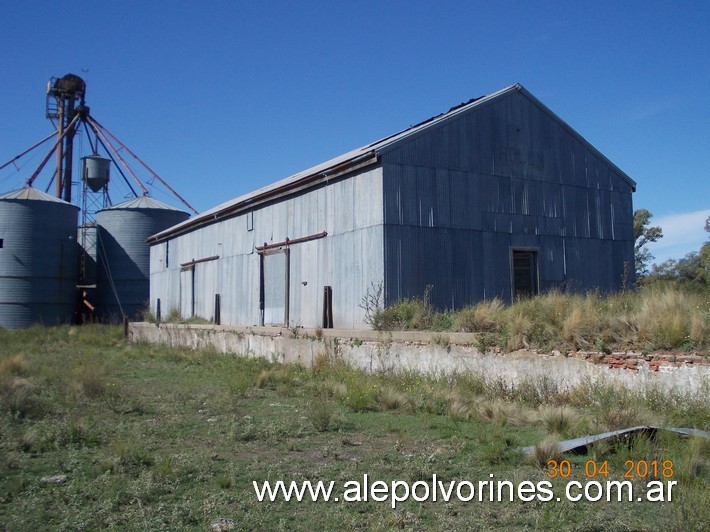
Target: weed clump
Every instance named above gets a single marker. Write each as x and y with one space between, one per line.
486 316
281 378
696 461
392 399
499 446
546 450
19 398
459 410
320 414
562 420
13 366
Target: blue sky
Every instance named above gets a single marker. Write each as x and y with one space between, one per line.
222 97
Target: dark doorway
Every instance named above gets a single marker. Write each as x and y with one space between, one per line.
525 278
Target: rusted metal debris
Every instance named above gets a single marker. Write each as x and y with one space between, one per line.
580 445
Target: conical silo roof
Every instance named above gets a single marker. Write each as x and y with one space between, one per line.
32 194
142 202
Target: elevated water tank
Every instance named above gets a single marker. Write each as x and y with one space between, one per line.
96 172
124 255
38 259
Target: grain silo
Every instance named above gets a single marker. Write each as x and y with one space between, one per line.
124 256
38 259
53 270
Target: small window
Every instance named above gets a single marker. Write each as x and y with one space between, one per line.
167 253
524 273
250 221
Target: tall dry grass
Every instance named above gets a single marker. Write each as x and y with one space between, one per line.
650 318
670 319
486 316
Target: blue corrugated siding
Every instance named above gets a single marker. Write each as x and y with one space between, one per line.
502 176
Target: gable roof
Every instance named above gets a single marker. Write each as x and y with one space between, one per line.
358 158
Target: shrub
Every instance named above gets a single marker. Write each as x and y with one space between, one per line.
486 316
129 456
373 303
621 416
321 361
361 395
321 414
443 321
174 316
237 382
407 314
29 441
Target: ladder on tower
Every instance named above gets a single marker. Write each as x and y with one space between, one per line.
52 106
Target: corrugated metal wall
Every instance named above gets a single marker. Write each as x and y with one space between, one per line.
459 196
349 258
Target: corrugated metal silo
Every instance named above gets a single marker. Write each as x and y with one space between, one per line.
38 259
124 255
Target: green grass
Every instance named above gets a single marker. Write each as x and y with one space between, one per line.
165 439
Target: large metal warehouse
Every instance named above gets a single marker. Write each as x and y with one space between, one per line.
497 197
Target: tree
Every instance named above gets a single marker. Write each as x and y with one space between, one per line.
692 271
643 234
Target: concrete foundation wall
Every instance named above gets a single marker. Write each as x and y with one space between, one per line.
439 354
